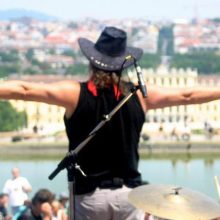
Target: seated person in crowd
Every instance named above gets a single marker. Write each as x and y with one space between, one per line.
4 206
40 207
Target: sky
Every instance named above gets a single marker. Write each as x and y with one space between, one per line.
120 9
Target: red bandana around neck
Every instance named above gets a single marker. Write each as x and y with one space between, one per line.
92 88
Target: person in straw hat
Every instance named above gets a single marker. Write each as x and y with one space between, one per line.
110 159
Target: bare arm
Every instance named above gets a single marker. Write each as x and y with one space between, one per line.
26 186
64 93
164 97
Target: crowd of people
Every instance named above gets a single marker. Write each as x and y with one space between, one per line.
15 202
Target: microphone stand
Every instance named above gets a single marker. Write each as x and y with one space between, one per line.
69 161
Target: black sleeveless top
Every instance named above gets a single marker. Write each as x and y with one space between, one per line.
113 152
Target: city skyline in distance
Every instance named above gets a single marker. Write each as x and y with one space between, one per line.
120 9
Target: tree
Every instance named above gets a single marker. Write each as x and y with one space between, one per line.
77 69
11 119
70 53
30 54
150 61
204 62
6 70
165 41
9 56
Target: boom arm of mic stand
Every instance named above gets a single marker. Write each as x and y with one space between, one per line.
71 156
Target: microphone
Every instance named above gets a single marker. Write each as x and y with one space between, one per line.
141 81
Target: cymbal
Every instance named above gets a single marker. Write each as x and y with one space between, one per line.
174 203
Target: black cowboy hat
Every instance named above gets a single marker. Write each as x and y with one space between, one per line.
110 50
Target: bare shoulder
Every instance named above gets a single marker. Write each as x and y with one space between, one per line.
67 88
70 91
154 94
142 101
155 97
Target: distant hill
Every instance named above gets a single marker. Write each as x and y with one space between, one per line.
21 13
